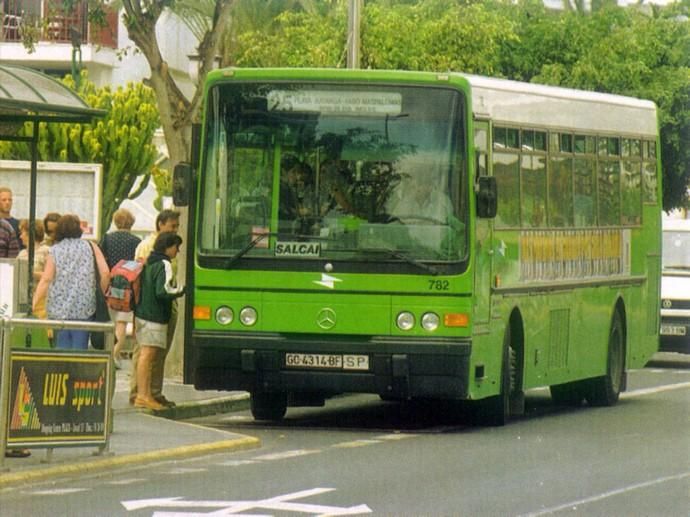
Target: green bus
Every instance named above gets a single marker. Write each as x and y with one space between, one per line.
419 236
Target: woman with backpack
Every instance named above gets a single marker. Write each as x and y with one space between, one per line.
118 245
153 312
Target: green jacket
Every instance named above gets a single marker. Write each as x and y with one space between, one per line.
158 290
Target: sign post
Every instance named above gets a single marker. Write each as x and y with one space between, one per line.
4 387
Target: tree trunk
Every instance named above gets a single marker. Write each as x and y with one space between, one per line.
176 113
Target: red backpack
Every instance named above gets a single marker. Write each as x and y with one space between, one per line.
125 285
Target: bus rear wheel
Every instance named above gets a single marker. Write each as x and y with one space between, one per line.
605 390
268 405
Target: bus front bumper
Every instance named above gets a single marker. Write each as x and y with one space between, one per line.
391 367
674 334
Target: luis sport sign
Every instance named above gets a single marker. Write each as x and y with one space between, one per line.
58 398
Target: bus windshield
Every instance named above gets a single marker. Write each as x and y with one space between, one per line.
339 172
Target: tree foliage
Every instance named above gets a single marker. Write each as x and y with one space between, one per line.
640 51
121 141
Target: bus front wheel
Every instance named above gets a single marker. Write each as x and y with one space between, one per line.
605 390
268 405
496 410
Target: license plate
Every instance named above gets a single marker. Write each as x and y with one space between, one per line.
327 361
673 330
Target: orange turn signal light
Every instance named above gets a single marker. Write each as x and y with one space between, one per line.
456 319
201 312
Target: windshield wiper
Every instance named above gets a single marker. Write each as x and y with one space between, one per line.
250 246
401 256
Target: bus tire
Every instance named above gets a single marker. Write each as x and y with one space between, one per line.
495 411
605 390
268 405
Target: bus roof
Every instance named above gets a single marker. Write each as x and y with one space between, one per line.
506 102
517 103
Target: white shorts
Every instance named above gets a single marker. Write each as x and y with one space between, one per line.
150 333
127 317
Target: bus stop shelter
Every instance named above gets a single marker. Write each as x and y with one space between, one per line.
29 96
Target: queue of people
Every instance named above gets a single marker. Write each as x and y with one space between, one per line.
68 269
152 370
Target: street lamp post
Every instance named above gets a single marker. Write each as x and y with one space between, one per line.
75 36
353 16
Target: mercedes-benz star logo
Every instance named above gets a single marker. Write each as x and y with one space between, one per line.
326 319
667 304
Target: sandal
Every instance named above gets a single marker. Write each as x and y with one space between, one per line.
17 453
165 402
147 404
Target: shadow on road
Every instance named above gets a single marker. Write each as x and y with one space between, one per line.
369 413
670 360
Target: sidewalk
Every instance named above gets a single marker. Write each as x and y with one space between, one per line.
139 436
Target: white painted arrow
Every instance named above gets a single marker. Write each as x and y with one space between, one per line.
280 503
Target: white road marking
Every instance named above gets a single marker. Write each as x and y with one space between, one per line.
219 513
639 392
236 463
355 443
126 481
286 454
59 491
186 470
657 389
572 504
278 503
396 436
237 418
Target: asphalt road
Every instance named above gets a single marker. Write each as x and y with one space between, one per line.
360 455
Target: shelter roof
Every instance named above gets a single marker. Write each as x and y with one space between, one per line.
29 95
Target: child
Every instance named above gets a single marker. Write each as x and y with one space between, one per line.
153 312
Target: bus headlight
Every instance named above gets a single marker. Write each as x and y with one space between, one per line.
430 321
224 315
248 316
405 320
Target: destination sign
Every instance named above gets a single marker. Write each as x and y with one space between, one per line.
336 101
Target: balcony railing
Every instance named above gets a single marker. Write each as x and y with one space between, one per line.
55 24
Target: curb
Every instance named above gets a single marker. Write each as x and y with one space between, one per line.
206 407
128 460
201 408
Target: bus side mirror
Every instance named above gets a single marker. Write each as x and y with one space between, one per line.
487 197
182 184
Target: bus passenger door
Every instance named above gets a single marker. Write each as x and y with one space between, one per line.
483 232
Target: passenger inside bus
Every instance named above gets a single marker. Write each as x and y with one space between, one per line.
297 200
335 191
421 196
422 204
